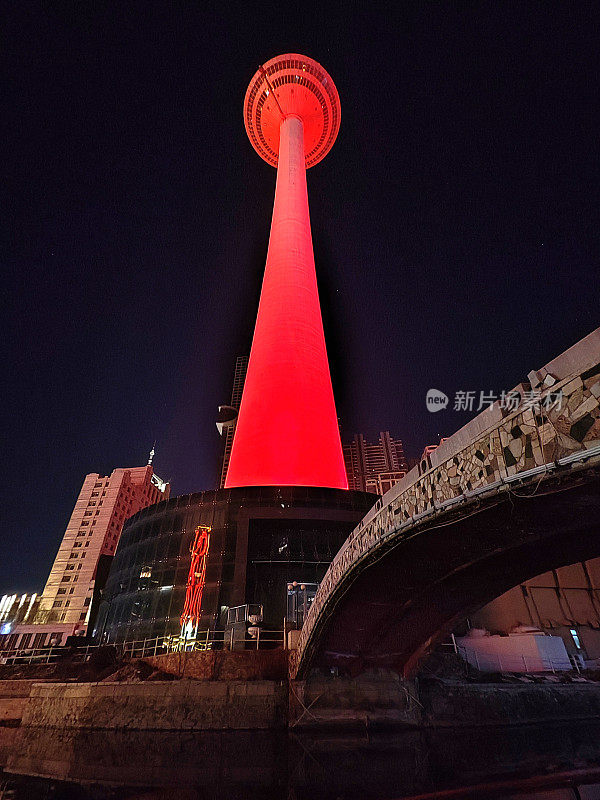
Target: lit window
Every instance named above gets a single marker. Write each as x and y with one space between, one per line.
575 636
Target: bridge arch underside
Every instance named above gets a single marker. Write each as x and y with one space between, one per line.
409 596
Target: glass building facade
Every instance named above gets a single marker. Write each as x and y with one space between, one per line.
261 539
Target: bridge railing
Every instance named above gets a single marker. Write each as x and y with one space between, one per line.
555 425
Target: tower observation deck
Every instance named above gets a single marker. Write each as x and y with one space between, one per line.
287 432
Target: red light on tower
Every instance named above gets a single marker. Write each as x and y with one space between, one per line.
287 432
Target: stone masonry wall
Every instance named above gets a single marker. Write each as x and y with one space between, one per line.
158 705
14 696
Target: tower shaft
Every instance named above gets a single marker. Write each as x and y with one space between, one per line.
287 431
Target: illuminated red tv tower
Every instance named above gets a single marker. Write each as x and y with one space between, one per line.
287 432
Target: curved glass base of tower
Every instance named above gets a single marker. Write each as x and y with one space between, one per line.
261 540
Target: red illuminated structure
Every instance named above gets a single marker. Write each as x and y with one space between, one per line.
190 616
287 432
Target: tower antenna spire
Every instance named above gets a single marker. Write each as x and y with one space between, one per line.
151 454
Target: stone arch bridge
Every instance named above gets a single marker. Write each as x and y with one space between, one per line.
514 493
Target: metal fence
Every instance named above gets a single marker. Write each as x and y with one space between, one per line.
514 663
205 640
496 662
46 655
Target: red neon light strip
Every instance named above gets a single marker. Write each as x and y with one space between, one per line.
196 577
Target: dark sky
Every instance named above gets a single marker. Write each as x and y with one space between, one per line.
455 224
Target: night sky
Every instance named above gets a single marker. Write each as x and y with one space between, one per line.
455 224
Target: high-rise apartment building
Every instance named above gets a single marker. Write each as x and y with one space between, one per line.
228 431
81 565
374 467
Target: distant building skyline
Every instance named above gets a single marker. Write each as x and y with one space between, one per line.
374 467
